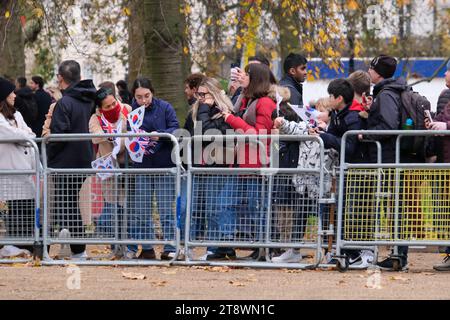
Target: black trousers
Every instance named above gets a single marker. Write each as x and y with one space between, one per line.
67 210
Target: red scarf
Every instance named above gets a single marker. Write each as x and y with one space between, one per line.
113 114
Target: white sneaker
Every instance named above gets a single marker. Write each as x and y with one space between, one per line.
363 261
80 256
64 251
203 257
289 256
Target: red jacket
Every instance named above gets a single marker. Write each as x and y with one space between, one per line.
264 109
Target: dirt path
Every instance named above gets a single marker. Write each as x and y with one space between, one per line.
421 282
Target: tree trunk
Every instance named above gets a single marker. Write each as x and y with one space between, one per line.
136 50
12 55
163 60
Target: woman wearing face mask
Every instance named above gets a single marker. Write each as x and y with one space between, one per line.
109 115
159 117
207 114
18 191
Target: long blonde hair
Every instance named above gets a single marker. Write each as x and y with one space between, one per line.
223 103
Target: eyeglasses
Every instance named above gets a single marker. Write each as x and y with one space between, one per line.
201 95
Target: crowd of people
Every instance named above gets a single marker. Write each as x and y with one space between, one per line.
256 103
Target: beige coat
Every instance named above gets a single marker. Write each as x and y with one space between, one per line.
16 156
105 148
48 120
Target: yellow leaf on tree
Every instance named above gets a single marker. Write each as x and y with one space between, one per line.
110 40
330 52
127 11
7 14
186 50
352 5
208 22
309 46
309 76
295 33
394 40
357 49
38 12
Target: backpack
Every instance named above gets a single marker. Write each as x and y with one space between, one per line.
28 107
413 106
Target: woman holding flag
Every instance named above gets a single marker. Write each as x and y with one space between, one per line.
110 117
151 115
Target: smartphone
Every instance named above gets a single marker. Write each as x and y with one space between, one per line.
428 115
233 71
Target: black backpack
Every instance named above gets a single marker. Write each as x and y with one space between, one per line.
27 106
413 107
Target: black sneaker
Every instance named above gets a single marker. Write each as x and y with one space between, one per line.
222 254
147 255
167 255
389 263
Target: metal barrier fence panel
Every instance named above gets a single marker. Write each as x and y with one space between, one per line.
424 205
19 206
393 203
255 208
131 209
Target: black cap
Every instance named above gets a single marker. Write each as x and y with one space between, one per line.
6 88
384 65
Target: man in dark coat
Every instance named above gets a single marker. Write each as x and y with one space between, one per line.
384 114
71 116
25 102
43 100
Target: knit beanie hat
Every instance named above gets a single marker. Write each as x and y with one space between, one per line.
384 65
6 88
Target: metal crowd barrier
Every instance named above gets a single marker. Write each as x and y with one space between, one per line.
255 208
20 199
122 212
397 204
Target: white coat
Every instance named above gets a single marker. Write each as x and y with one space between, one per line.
16 156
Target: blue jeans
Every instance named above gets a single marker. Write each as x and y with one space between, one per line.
106 223
141 225
241 207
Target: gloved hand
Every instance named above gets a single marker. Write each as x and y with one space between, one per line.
438 126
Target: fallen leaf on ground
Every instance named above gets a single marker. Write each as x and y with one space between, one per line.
293 271
236 283
159 283
399 278
218 269
170 272
97 251
133 276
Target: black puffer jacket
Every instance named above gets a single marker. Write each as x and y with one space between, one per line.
384 114
71 115
207 118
